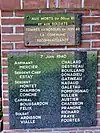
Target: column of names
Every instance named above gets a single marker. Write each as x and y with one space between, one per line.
72 72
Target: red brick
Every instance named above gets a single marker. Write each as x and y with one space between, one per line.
5 79
5 110
98 68
52 3
5 70
5 102
90 20
99 53
96 28
69 3
7 29
22 46
20 29
12 21
84 12
4 62
98 106
83 45
5 87
20 13
98 115
98 76
85 28
95 12
0 102
92 4
98 122
4 54
6 118
12 38
12 4
0 4
5 94
6 127
6 14
96 44
7 46
91 36
98 98
34 4
98 83
98 91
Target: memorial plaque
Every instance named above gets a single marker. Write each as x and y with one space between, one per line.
52 29
52 89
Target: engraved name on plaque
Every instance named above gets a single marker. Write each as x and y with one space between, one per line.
52 89
52 29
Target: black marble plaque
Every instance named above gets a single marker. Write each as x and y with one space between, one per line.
52 29
52 89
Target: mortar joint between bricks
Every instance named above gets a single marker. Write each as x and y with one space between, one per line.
3 58
14 45
82 3
4 66
66 47
6 123
27 131
14 29
6 98
12 26
90 12
5 91
5 107
65 10
98 95
12 34
14 14
57 3
48 3
91 27
40 11
13 17
6 83
21 4
4 74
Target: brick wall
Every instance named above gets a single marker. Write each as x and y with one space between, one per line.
12 37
